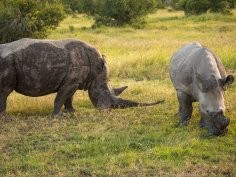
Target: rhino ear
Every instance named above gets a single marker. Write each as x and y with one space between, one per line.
101 63
227 80
206 84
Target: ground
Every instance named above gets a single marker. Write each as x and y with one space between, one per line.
126 142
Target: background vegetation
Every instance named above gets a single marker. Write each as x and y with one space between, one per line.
28 18
36 18
129 142
193 7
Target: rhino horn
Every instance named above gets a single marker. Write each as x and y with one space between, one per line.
123 103
104 97
118 91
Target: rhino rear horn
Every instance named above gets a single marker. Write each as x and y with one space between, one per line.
118 91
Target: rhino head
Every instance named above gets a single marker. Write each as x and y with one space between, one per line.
211 99
103 96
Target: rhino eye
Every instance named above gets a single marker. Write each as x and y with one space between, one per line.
224 88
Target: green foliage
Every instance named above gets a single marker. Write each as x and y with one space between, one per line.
114 12
218 5
28 18
74 5
195 7
117 12
231 3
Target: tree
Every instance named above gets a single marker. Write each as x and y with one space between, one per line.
120 12
114 12
196 7
28 18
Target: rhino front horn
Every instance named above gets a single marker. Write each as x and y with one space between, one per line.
122 103
118 91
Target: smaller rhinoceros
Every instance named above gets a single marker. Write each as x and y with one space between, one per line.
198 75
35 67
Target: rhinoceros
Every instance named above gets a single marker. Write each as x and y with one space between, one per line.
198 75
36 67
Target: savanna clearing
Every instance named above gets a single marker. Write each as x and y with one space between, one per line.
126 142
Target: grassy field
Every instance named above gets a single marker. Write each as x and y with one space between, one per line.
134 141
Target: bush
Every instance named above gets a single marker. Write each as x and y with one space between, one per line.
196 7
120 12
28 18
73 5
231 3
113 12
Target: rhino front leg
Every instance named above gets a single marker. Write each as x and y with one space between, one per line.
64 96
3 105
202 122
7 85
68 105
185 107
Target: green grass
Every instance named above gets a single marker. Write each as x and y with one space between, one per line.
126 142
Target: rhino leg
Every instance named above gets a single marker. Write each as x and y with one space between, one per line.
64 94
3 102
202 122
7 84
68 105
3 105
185 107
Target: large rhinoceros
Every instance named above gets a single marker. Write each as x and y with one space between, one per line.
35 67
198 75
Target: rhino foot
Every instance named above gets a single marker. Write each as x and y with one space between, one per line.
184 122
5 117
202 123
69 110
58 115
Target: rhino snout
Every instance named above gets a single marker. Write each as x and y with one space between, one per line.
219 125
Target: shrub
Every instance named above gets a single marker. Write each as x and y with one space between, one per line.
218 5
113 12
231 3
196 7
73 5
28 18
79 6
120 12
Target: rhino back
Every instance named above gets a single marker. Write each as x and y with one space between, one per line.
182 66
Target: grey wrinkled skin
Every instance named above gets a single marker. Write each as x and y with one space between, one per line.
198 75
36 67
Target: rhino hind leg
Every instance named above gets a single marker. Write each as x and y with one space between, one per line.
185 107
64 96
68 105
